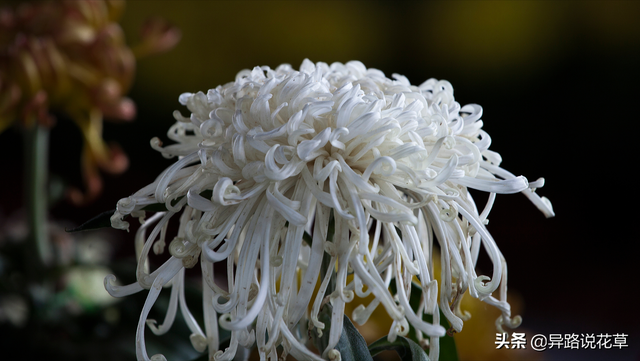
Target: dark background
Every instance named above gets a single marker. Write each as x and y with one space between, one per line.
558 82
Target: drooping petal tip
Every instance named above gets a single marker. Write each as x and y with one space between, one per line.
376 169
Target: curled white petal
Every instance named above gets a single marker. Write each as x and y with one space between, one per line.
278 153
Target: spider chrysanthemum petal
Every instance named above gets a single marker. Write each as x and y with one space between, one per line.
280 152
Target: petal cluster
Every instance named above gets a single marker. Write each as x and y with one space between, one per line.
374 171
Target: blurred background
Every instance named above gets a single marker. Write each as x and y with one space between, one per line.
555 80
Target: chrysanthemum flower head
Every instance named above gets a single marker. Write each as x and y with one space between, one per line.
281 153
70 57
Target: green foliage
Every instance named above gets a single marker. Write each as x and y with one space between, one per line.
406 348
351 345
448 350
321 340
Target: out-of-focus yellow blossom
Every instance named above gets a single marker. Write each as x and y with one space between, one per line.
477 339
70 57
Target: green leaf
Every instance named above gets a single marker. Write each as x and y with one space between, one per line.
324 316
406 348
448 350
102 220
352 345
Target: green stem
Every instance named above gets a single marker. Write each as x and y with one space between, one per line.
36 161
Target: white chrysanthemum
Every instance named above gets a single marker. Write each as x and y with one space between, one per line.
268 157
